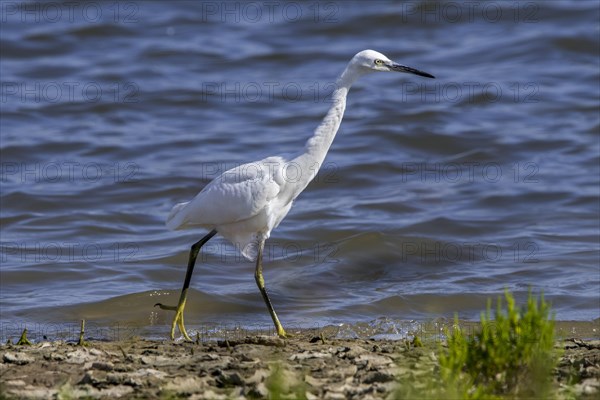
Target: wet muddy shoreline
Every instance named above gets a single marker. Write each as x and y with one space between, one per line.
306 366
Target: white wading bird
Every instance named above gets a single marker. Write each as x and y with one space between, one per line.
246 203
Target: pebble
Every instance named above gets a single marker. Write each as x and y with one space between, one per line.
103 366
16 382
185 385
229 380
307 355
162 361
17 358
78 356
259 376
260 391
378 377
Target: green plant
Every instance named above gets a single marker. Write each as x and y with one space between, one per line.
511 356
283 384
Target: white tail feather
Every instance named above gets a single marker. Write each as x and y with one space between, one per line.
176 219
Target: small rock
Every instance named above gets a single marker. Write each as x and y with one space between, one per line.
260 391
246 358
591 382
314 382
185 385
378 377
268 341
259 376
308 355
96 352
365 397
133 381
79 356
30 392
374 360
210 395
388 349
344 371
229 380
151 352
93 378
587 389
334 396
55 357
162 361
115 378
16 382
310 396
124 368
150 373
208 357
103 366
593 344
354 351
570 345
17 358
115 392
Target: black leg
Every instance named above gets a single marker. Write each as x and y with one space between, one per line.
178 320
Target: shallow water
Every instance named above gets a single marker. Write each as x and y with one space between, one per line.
436 194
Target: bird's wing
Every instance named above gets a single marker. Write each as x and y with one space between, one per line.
238 194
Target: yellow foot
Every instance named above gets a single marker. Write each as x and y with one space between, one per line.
177 321
282 333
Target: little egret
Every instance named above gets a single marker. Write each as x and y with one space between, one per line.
247 202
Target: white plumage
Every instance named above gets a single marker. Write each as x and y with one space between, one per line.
243 204
247 202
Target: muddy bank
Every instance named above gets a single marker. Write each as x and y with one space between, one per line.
252 367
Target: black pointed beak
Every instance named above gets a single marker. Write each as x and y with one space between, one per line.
404 68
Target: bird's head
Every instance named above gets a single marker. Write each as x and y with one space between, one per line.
371 60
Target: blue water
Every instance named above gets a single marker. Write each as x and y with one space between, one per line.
436 194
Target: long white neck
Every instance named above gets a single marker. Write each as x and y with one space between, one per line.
318 145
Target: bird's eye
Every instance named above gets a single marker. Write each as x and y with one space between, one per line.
378 62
